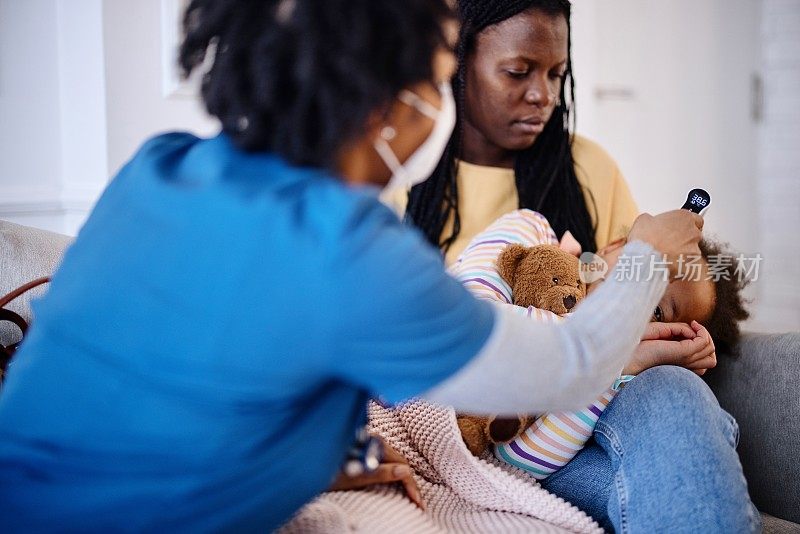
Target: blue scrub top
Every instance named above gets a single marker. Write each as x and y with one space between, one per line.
206 348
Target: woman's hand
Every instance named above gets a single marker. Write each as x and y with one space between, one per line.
394 468
680 344
674 233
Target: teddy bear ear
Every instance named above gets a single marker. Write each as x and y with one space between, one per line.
508 261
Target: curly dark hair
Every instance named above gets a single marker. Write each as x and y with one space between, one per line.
729 308
545 173
301 77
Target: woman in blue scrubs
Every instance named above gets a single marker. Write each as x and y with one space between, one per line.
206 349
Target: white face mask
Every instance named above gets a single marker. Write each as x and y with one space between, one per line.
421 164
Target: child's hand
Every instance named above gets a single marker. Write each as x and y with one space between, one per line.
394 468
680 344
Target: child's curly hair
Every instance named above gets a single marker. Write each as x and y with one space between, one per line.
729 308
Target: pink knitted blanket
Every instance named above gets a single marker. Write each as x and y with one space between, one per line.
462 493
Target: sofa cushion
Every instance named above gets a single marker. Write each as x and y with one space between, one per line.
773 525
759 387
25 254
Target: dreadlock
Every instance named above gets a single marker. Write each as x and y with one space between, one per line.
545 173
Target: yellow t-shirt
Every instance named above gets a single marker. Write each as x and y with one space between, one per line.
487 193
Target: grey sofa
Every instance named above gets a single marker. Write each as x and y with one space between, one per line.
760 386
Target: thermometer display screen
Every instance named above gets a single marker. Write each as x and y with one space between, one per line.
697 201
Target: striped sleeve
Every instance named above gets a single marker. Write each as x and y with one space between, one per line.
553 440
475 268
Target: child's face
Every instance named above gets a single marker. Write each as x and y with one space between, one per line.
684 301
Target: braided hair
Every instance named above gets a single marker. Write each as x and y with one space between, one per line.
300 78
544 173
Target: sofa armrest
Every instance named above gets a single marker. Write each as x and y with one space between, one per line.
760 387
25 254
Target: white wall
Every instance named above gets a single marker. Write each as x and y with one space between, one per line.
677 111
778 185
81 86
136 105
82 98
665 87
585 65
30 122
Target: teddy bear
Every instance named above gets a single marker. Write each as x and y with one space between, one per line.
545 277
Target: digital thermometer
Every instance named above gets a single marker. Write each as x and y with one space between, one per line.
697 201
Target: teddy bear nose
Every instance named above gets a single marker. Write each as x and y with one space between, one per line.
569 302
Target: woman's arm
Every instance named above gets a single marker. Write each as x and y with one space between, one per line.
555 438
424 334
530 366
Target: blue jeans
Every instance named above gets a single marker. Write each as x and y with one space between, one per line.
663 459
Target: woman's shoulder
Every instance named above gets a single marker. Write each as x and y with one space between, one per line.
607 193
592 161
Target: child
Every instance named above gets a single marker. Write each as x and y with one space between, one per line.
713 298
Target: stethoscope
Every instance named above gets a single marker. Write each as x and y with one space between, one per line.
364 455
